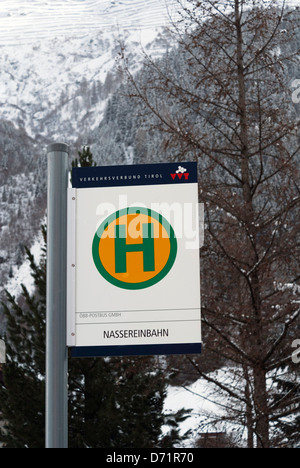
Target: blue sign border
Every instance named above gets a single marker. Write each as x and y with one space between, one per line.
136 350
140 174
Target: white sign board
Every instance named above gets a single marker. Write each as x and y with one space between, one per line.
134 273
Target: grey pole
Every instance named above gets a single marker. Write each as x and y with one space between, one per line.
56 349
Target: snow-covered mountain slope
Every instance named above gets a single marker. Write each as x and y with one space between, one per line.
55 88
24 21
58 59
56 85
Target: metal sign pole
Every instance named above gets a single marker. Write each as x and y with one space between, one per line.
56 349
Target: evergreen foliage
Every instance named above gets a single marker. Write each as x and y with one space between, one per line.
286 395
22 393
85 158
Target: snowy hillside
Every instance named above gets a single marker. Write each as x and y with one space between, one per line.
58 88
58 59
23 21
57 70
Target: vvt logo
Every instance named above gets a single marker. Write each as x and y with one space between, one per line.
181 173
134 248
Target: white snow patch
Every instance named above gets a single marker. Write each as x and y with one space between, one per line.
196 397
22 275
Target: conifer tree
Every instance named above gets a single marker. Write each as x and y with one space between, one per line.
85 158
22 392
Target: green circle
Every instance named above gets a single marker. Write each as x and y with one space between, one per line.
142 284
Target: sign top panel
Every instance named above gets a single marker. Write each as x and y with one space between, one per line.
131 175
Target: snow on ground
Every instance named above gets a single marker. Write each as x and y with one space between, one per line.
195 397
22 275
209 407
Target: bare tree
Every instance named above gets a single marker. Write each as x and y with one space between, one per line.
223 97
